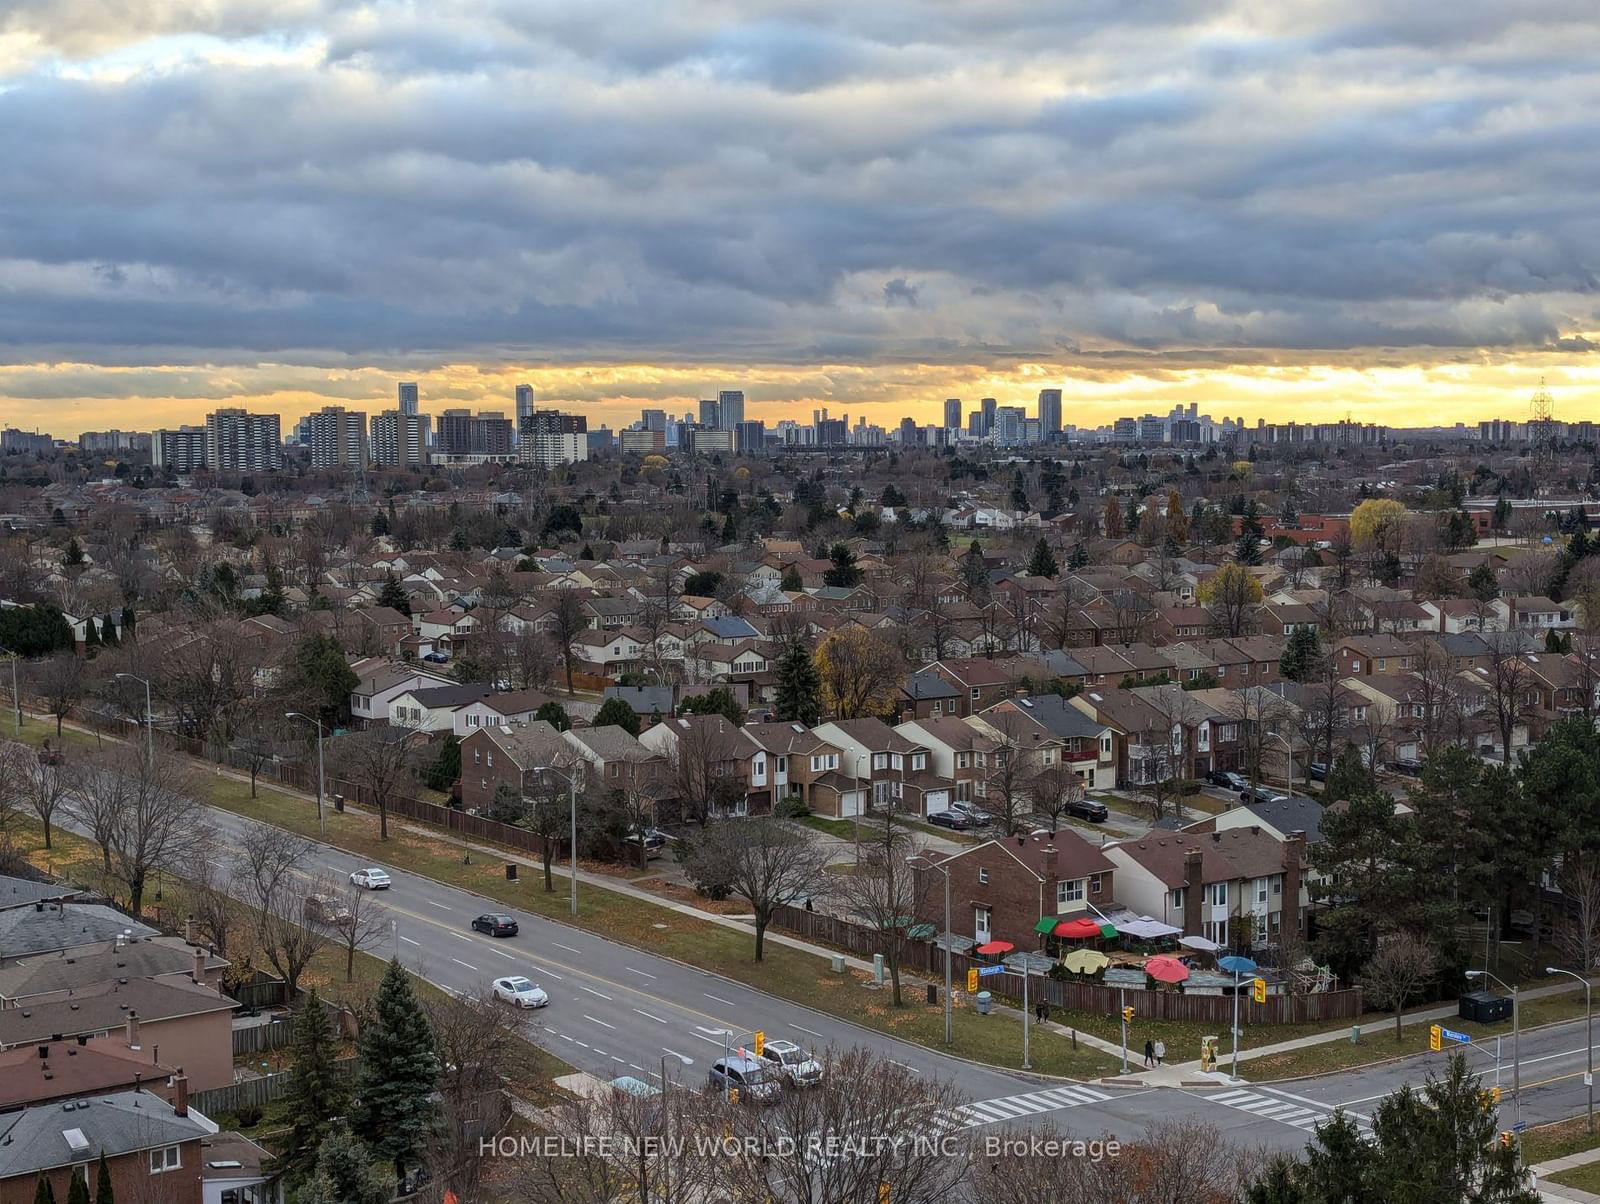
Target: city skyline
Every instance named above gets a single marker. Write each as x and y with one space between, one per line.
1257 209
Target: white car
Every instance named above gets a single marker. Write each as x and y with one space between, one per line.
520 991
372 878
792 1064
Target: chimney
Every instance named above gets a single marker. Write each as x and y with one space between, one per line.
199 974
1294 860
188 930
133 1030
180 1093
1049 870
1193 889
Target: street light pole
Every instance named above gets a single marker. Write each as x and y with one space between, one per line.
572 841
1288 743
149 717
1588 1035
1237 980
1516 1036
322 822
948 1020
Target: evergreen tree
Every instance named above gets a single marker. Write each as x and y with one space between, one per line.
555 715
103 1192
614 712
398 1074
975 574
108 632
586 552
730 529
74 553
129 619
1483 584
1347 776
315 1096
379 526
344 1173
394 595
446 767
1302 655
714 702
1130 520
1247 550
319 678
1078 557
78 1192
799 686
91 636
1042 563
791 583
43 1193
844 572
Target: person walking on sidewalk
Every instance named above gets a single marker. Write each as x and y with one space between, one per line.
1161 1051
1149 1053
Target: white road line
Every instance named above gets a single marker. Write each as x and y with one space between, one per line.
728 1002
648 1016
802 1028
568 948
640 973
461 936
639 1068
600 1051
601 1023
409 941
717 1041
618 1060
1315 1103
440 906
545 973
459 962
504 954
564 1037
903 1066
595 993
675 1054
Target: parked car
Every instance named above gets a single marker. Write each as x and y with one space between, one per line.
437 658
1227 779
1260 794
521 992
371 877
1317 771
976 816
1087 808
495 923
793 1065
954 820
654 840
752 1079
1409 766
326 909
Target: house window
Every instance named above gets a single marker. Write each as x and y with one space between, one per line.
1069 892
1261 890
974 693
935 709
477 756
783 764
1219 894
491 758
918 761
980 925
1096 882
983 876
1217 930
165 1159
1177 899
963 760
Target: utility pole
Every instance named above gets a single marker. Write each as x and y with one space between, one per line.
1588 1038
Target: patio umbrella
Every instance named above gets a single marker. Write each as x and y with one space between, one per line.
994 947
1085 961
1081 929
1200 943
1237 965
1166 969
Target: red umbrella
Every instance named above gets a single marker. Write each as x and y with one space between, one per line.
1166 969
1082 928
994 947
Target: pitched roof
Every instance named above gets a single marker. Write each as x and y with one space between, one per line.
53 926
82 966
71 1069
23 892
1075 856
1225 856
1056 714
106 1005
46 1136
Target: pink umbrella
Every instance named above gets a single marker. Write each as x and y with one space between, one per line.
994 947
1166 969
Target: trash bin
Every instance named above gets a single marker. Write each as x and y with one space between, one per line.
1483 1007
983 1003
338 802
838 963
511 871
933 994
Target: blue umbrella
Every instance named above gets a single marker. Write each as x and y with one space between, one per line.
1237 965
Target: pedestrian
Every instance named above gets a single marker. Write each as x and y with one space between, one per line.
1044 1013
1149 1053
1161 1051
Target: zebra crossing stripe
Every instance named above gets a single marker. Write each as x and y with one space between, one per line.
1011 1107
1270 1108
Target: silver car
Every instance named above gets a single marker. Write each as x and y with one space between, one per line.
750 1077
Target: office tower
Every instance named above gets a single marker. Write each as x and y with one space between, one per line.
653 420
182 450
710 413
238 441
1049 412
468 438
524 413
750 436
524 400
408 397
988 406
707 440
337 436
399 440
556 438
952 413
644 442
910 436
730 409
832 432
975 423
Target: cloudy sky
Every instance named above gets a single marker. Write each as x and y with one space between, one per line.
1284 208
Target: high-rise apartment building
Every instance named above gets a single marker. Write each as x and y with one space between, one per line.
1049 412
553 438
706 440
399 440
182 450
730 409
952 413
750 436
114 441
337 436
653 420
468 438
408 397
644 442
710 413
239 441
988 408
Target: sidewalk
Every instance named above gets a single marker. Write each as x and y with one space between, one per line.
1555 1191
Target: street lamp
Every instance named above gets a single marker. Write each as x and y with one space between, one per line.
945 870
861 801
1516 1037
1588 1039
16 698
322 822
149 717
571 780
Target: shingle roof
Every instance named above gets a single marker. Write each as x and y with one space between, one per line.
82 966
105 1006
22 892
36 1139
26 930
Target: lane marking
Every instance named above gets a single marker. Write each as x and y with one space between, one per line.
409 941
568 948
648 1016
468 965
726 1002
595 993
547 973
504 954
440 906
461 936
902 1066
717 1041
640 973
679 1056
601 1023
802 1028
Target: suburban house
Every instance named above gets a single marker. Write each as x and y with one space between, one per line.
979 683
899 767
1087 748
492 756
433 708
619 761
49 926
64 973
498 710
715 759
64 1070
959 754
1533 614
1007 888
928 696
806 766
382 682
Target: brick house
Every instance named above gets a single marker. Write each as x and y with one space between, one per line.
1357 655
961 755
714 749
899 767
492 756
805 764
1087 748
980 683
1004 888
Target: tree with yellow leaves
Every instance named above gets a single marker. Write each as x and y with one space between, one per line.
1376 524
1232 593
1177 520
860 672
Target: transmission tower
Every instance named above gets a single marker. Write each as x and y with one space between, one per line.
1542 425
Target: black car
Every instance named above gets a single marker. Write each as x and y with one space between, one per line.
495 924
1227 779
953 820
1260 794
1409 766
1317 771
1087 808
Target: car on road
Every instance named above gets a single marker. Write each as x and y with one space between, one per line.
327 909
1227 779
751 1078
976 816
1260 794
437 658
654 840
495 923
1087 808
1409 766
792 1064
370 877
520 992
1317 771
954 820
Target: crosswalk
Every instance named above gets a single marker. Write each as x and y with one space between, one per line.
1017 1107
1278 1108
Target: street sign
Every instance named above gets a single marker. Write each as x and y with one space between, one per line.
1519 1126
1450 1034
988 970
1588 1079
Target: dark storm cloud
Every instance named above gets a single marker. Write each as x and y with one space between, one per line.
794 180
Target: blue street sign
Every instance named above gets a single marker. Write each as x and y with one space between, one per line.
1450 1034
985 971
1519 1126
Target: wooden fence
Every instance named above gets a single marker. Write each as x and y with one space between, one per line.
927 959
261 1037
258 1092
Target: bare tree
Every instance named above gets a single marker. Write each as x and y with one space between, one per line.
567 622
1052 790
288 937
215 912
1397 973
1529 574
1009 799
1260 715
1578 933
360 924
884 894
380 759
529 655
1175 715
61 683
764 861
48 784
703 773
1509 682
160 826
1436 689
